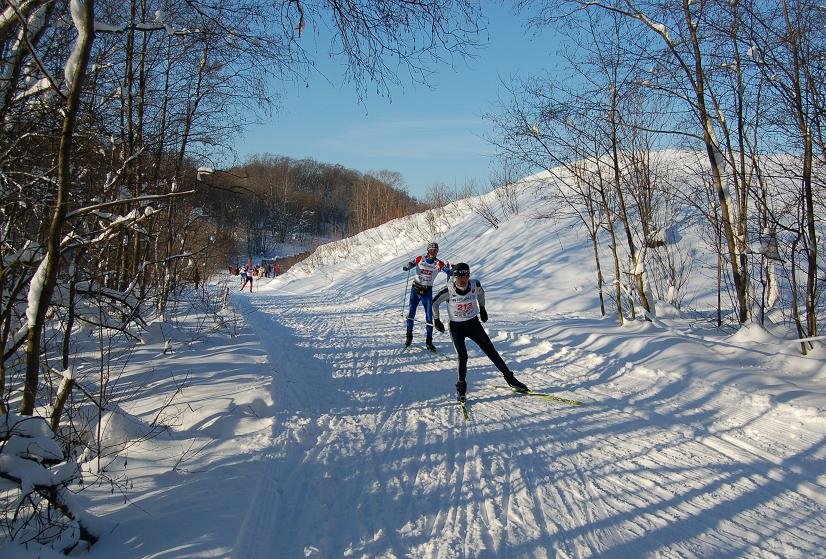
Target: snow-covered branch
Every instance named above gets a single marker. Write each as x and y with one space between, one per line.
32 460
147 198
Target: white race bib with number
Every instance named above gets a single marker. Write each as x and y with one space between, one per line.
426 272
462 307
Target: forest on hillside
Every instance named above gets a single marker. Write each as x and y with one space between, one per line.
275 199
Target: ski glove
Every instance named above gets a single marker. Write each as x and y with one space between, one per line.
438 325
483 314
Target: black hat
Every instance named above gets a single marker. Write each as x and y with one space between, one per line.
461 269
433 245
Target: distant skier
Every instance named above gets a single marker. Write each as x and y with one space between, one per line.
427 268
465 300
243 274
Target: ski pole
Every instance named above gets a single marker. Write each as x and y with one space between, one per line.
404 294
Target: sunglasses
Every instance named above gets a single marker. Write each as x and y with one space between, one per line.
462 273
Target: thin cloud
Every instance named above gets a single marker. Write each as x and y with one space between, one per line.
411 138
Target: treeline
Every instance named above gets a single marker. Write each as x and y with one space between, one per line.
739 84
273 199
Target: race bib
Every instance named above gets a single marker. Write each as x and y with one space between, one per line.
426 272
462 307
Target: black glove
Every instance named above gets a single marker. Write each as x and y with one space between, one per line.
483 314
439 326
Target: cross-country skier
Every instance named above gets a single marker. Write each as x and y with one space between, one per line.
465 300
427 268
243 274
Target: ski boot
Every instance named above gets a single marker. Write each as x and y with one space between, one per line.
515 384
461 388
408 339
429 344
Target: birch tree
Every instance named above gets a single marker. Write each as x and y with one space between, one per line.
787 41
681 72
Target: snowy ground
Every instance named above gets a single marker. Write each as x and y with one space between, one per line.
372 459
312 434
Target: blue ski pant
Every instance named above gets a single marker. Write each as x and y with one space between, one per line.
427 302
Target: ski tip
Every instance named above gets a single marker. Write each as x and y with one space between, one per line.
542 395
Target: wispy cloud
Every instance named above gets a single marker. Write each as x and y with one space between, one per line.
426 138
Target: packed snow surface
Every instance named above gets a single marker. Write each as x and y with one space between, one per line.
313 433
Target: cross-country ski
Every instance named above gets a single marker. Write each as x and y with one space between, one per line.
541 395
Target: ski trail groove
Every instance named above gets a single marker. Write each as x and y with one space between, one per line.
371 456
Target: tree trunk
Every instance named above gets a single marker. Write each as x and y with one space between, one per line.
45 280
714 158
63 394
70 316
615 256
629 237
600 281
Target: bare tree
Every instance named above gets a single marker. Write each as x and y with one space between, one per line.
559 132
505 180
787 39
45 279
680 72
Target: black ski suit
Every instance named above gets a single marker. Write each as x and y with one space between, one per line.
470 328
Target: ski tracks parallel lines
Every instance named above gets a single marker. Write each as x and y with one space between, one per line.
753 463
627 475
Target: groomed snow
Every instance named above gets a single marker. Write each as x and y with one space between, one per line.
312 434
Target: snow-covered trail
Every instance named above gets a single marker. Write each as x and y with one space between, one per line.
371 458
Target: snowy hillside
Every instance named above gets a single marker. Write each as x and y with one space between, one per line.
541 271
524 249
314 434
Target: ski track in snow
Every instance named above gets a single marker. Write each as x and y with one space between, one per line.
371 456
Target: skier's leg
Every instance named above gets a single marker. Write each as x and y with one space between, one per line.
478 335
427 303
411 310
458 336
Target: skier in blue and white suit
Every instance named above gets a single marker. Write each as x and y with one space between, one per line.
427 268
465 300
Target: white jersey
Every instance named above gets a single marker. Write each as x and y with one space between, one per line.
426 272
461 306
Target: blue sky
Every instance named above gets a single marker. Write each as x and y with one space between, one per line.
430 135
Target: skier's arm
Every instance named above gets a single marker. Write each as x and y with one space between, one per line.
480 295
446 268
440 298
411 264
480 298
